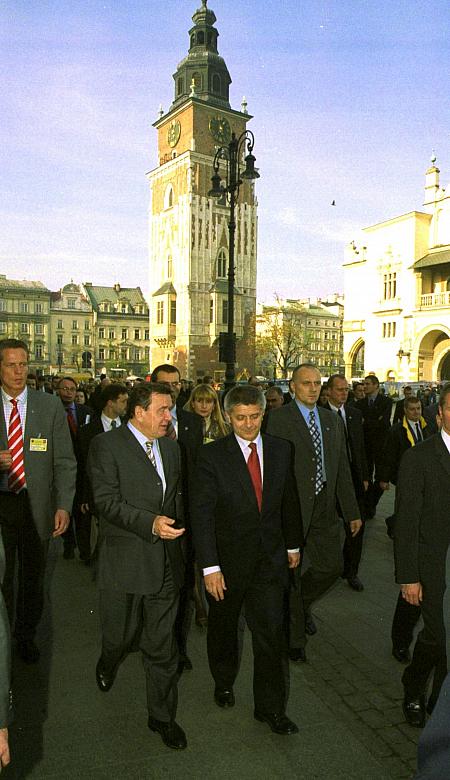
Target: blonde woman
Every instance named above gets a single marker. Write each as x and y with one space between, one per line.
204 402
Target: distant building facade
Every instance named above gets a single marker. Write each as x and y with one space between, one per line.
397 293
71 330
291 332
120 329
25 315
189 241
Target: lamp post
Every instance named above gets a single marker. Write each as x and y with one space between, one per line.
232 154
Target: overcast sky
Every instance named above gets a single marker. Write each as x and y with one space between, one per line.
349 99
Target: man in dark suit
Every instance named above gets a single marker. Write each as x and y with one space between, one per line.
135 473
37 486
113 403
403 435
421 540
353 428
5 671
399 411
376 411
246 522
323 477
185 428
77 416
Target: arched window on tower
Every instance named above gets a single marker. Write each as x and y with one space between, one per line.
216 85
168 197
198 81
222 264
169 267
192 40
180 86
200 37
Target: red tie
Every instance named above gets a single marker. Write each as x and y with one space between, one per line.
72 424
171 432
16 475
255 473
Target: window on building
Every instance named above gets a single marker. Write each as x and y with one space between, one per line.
389 330
222 264
71 302
160 313
201 37
169 267
124 308
74 324
124 353
173 312
59 325
87 325
38 308
216 86
2 305
146 334
39 351
389 286
74 338
112 334
2 327
225 311
112 354
87 341
39 329
23 308
59 338
137 354
198 80
180 86
101 333
137 334
24 327
101 353
211 311
124 333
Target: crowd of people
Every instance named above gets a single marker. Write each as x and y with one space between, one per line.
230 506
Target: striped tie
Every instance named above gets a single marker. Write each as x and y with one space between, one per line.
16 475
171 432
150 453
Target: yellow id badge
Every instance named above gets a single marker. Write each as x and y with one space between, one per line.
38 445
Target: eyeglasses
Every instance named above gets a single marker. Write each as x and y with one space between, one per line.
67 389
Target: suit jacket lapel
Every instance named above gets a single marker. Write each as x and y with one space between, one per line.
442 453
300 425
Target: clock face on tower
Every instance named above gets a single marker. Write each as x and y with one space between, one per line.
173 133
219 127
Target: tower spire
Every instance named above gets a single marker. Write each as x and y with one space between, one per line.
203 64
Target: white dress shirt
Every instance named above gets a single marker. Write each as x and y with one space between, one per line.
106 422
446 439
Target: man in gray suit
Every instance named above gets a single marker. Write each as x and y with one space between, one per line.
135 475
5 671
37 486
323 477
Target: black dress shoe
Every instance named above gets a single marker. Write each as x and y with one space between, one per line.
278 722
224 697
298 654
414 711
355 583
401 654
28 651
171 733
104 676
310 626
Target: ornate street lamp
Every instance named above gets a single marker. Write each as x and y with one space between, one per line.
233 155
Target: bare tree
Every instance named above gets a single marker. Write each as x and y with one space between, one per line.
282 337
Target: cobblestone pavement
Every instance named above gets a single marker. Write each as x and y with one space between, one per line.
346 699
